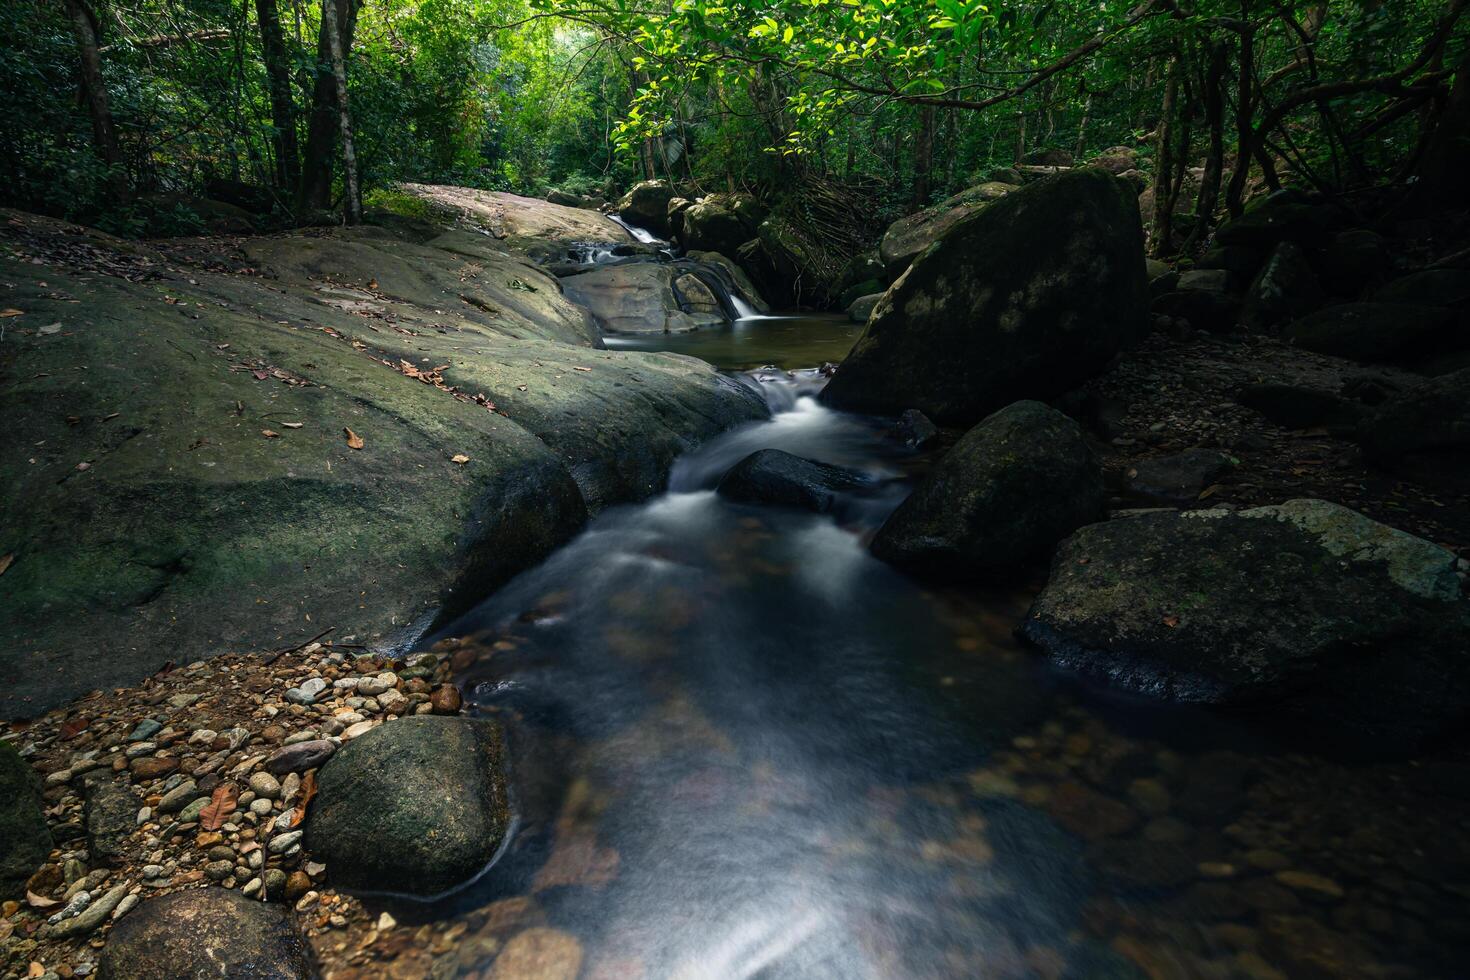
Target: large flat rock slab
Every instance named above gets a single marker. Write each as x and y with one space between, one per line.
522 221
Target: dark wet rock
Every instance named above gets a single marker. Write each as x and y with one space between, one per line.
915 430
1307 606
1212 310
206 933
970 326
719 223
646 206
1179 479
110 811
1285 216
1205 281
1008 491
25 840
300 756
1242 263
1048 158
1446 287
1139 863
771 476
569 200
1423 428
1300 407
1356 260
866 287
1116 160
697 298
1006 175
1371 332
909 236
862 307
417 806
1285 290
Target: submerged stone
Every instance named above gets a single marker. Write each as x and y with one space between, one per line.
779 478
203 934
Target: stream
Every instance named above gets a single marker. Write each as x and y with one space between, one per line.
742 747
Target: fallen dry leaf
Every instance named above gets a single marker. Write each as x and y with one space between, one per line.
581 369
354 441
73 727
12 312
221 804
40 901
308 792
1171 621
270 434
5 562
292 425
460 458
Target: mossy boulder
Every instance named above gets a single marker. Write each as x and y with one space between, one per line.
1374 332
1306 609
716 224
178 480
1024 299
1009 490
25 840
418 806
646 206
909 236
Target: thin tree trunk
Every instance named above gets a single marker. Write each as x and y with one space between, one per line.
1442 168
325 123
1163 216
1244 110
1209 185
331 27
278 79
1020 135
924 157
104 132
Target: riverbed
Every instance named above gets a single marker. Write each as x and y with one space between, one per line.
742 747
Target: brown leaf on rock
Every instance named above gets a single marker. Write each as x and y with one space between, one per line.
354 441
221 804
270 433
40 901
308 792
5 562
460 458
1171 621
74 727
12 311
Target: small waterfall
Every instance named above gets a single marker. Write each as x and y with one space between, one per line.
743 310
640 234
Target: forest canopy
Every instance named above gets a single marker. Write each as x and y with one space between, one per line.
124 113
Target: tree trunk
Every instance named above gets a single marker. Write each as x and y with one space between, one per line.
1442 185
1163 216
1209 185
924 157
325 123
1244 110
104 132
331 27
278 79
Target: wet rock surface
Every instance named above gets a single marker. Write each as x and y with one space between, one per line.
207 932
968 330
419 807
1177 480
771 476
1011 488
25 840
1307 606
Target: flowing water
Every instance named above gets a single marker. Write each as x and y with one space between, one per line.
742 747
793 341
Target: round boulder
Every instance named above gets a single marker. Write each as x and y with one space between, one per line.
415 807
647 206
1009 490
204 933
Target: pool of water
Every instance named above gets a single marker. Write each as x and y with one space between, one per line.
788 341
742 747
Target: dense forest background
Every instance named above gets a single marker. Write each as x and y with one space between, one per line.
127 113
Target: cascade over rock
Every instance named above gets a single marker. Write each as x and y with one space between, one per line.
1035 293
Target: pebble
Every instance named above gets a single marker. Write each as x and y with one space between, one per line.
393 702
260 807
281 843
373 686
446 700
263 784
361 728
1314 884
144 730
190 813
178 797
